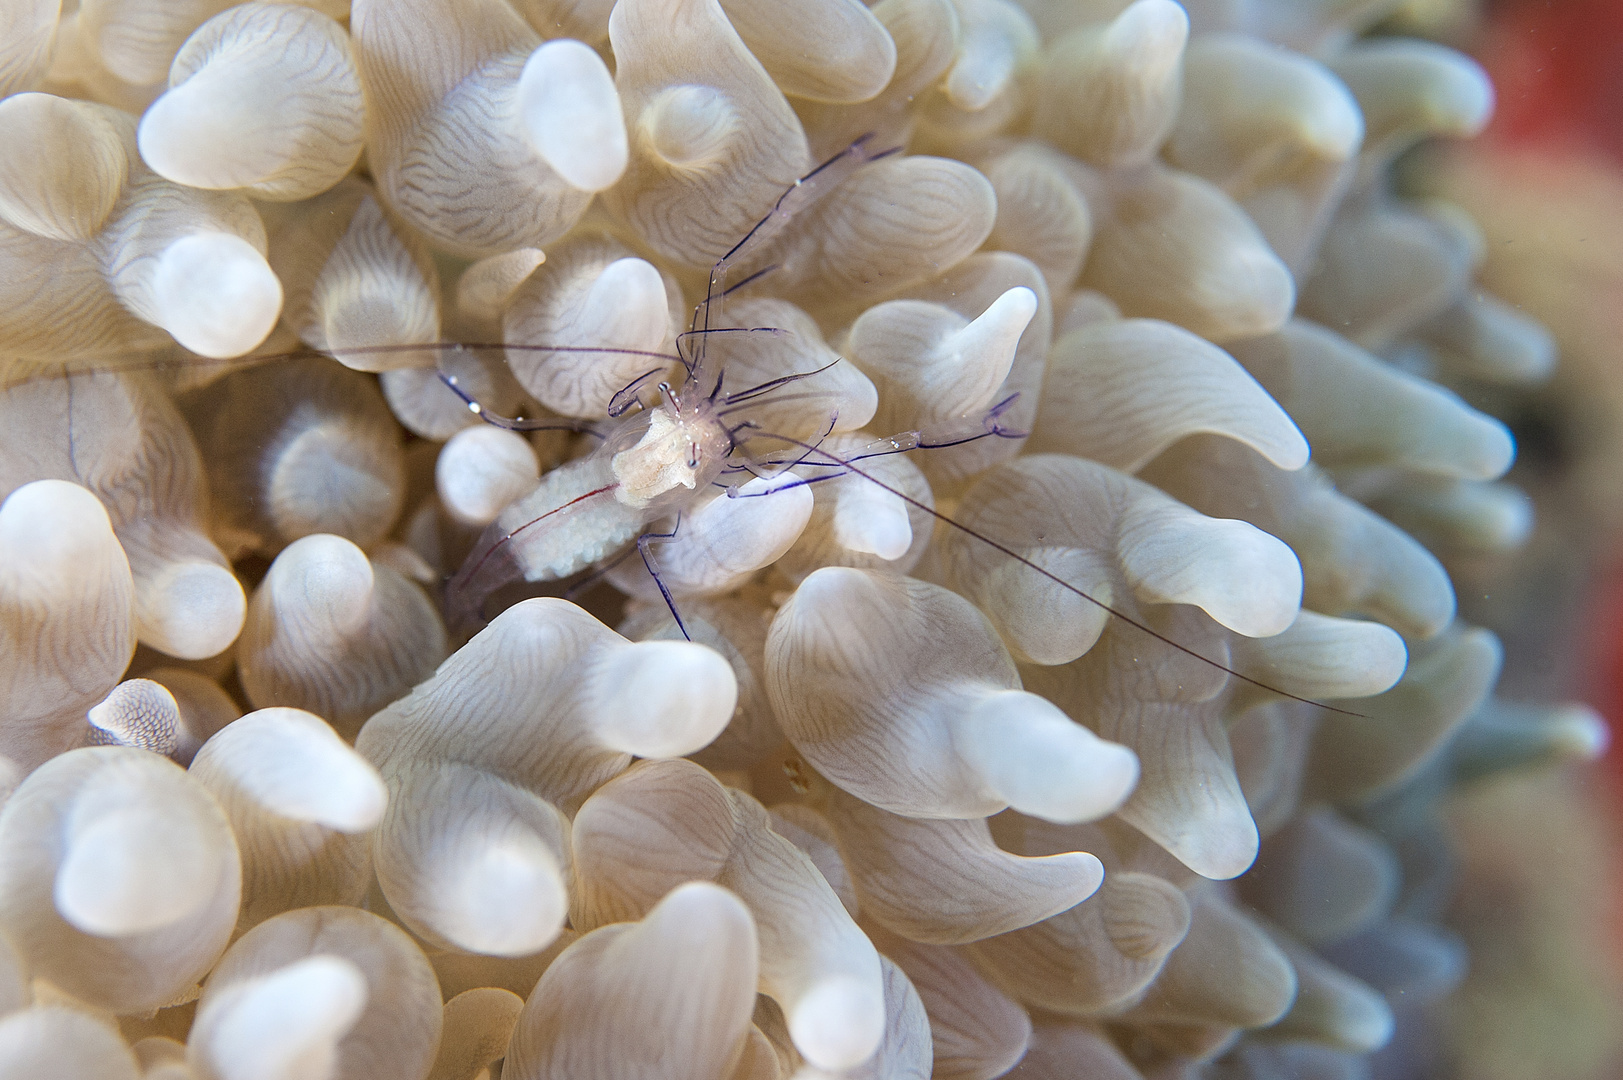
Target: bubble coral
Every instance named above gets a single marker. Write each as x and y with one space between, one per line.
1042 703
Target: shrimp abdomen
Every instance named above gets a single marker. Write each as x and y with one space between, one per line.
570 521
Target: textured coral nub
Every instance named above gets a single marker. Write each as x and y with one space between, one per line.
215 293
997 39
1041 762
695 681
134 869
67 186
871 520
859 659
263 96
676 988
54 1040
839 1023
481 470
139 712
689 126
571 114
1109 94
191 610
282 1026
66 615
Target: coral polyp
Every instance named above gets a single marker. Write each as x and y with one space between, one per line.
1040 654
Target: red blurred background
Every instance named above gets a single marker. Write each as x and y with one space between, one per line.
1542 861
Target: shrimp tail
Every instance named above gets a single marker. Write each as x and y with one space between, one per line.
492 564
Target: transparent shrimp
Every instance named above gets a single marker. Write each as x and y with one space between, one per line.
647 468
652 463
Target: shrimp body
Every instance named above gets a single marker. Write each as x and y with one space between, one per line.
583 512
571 520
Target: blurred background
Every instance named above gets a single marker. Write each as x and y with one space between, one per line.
1540 901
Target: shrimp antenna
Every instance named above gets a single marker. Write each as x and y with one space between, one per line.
1055 578
467 346
902 443
692 366
753 392
750 280
516 423
805 191
16 373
